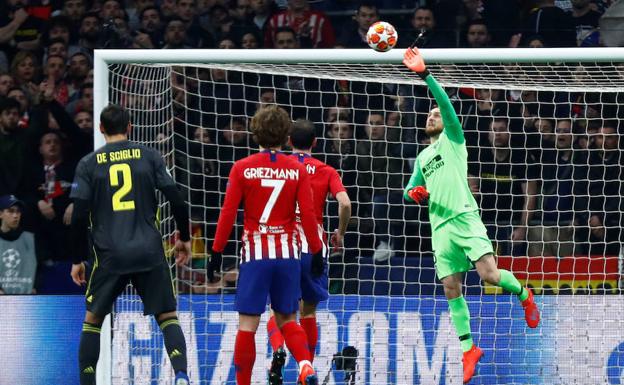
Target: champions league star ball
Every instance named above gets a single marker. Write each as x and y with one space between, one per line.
382 36
11 258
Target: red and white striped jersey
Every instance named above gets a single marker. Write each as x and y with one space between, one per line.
270 185
325 181
321 31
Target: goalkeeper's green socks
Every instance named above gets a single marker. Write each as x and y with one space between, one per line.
460 315
511 284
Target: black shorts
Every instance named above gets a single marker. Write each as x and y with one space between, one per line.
155 287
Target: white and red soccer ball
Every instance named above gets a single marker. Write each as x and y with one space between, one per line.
382 36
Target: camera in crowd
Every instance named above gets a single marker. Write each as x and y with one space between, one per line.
347 362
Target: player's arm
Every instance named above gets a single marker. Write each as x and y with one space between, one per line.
78 228
227 217
452 126
179 209
306 212
338 190
415 190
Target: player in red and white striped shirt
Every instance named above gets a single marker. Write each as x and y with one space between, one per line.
270 184
314 289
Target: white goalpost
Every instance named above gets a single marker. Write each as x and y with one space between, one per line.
543 130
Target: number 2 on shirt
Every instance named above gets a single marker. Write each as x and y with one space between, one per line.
277 185
126 186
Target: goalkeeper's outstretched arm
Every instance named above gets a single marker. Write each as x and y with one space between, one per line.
452 126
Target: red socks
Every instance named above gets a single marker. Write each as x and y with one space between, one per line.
275 336
244 356
311 331
296 341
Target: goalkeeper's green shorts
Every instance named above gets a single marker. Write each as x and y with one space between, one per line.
458 243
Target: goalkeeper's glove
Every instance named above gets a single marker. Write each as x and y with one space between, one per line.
318 263
214 265
419 194
414 61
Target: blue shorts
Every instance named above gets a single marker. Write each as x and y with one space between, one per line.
278 279
313 289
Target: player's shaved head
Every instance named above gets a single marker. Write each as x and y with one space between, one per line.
302 134
114 120
270 126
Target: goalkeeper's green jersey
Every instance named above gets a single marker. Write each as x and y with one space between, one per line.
443 166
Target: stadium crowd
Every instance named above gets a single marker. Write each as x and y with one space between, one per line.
545 167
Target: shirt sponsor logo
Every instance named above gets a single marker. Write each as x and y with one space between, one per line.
432 165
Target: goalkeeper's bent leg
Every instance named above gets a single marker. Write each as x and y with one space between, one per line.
511 284
89 352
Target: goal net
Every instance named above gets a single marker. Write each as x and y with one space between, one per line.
543 134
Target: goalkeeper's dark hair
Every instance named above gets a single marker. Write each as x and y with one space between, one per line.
302 134
270 126
114 119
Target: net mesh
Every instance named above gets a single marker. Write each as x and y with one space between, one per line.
544 150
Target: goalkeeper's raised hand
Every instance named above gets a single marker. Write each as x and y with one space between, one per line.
415 62
419 194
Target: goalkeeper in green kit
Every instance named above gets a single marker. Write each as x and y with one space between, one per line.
459 238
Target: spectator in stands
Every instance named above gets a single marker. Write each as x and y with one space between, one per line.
79 66
261 11
18 30
151 24
195 35
563 194
15 146
308 25
226 43
84 121
234 142
24 103
552 23
339 150
381 170
477 34
354 35
544 151
535 41
249 40
506 185
18 265
241 17
50 184
6 83
56 47
586 20
59 27
605 190
25 70
54 71
84 103
111 9
175 35
74 10
89 33
423 20
285 38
